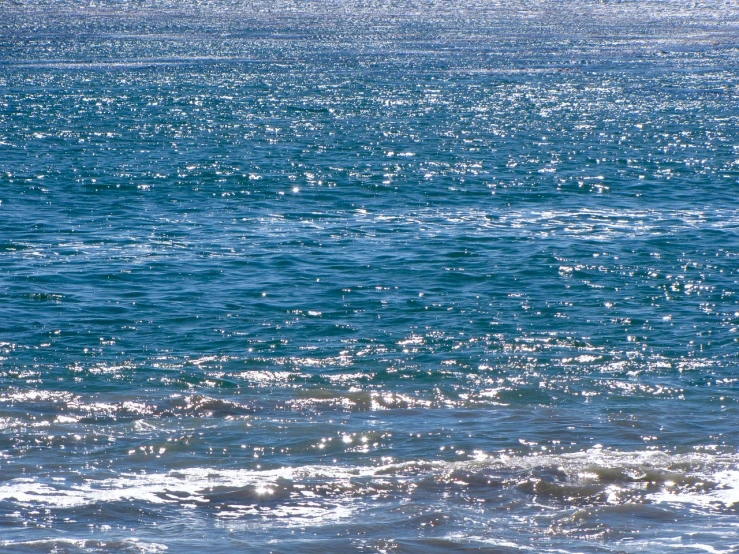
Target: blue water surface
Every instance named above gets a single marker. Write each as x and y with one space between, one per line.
301 276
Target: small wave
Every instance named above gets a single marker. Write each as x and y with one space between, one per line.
592 477
71 546
141 63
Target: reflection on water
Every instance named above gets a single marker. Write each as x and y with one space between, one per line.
383 277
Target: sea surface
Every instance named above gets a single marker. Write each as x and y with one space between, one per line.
369 276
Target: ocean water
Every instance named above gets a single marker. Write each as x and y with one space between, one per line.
374 276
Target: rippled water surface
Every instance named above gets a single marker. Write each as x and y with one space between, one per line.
369 276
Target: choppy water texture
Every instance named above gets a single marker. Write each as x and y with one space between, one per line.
369 276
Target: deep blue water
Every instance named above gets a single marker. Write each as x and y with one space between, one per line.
360 276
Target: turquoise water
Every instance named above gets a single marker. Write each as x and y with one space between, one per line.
377 277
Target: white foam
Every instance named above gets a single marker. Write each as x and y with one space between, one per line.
165 488
726 492
192 486
53 544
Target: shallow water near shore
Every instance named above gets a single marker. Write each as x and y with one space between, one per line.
376 277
